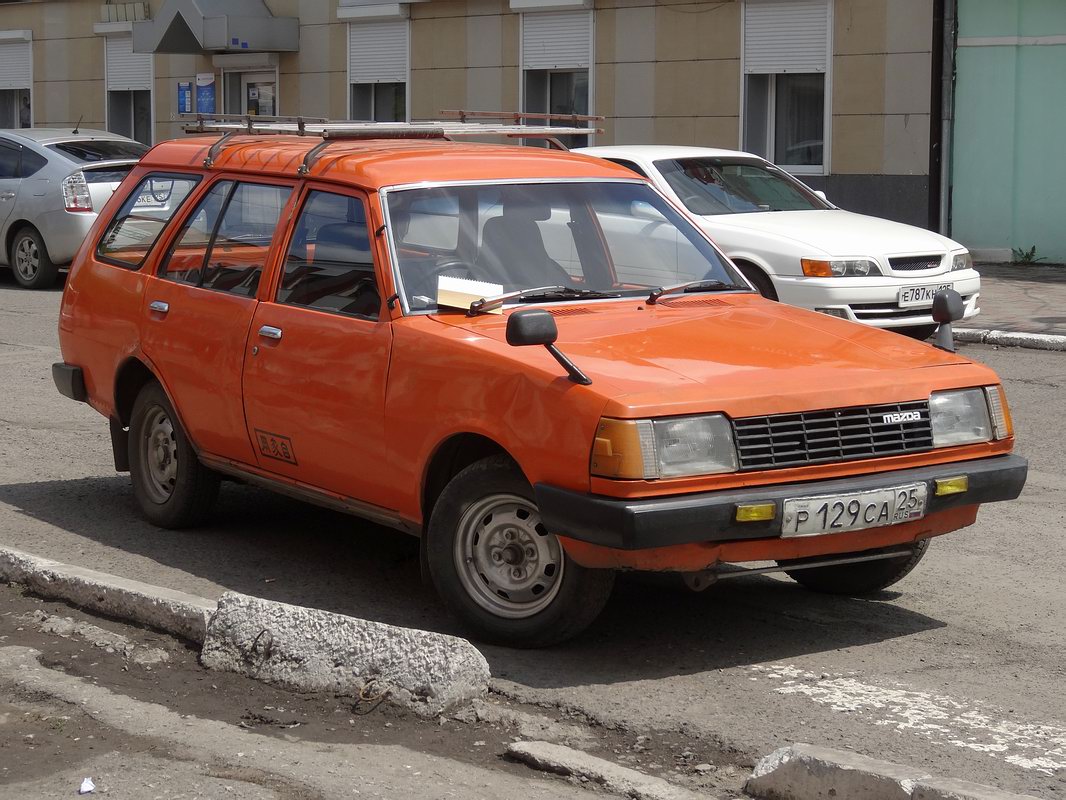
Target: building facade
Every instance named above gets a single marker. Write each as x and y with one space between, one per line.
837 91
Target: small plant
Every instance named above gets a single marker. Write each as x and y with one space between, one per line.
1023 256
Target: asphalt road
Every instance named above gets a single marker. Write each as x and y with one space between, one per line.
960 668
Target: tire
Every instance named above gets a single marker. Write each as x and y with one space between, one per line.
920 332
172 487
496 567
862 578
759 279
30 262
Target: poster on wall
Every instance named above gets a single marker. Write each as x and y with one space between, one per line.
205 93
184 97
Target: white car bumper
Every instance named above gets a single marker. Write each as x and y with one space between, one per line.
875 301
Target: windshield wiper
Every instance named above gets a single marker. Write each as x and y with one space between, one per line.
538 293
691 286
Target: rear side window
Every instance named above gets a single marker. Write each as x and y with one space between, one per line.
146 212
329 266
32 163
224 243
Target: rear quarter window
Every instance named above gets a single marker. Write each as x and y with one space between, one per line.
143 216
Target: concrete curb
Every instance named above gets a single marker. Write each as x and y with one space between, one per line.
617 779
1031 341
807 772
184 615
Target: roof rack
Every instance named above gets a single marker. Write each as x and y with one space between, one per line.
455 125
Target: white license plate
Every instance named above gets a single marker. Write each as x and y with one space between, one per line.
838 513
910 296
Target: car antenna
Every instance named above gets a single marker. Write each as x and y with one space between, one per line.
78 124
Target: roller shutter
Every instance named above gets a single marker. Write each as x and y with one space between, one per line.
786 36
126 70
378 51
557 40
16 60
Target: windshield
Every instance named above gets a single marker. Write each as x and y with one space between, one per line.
85 151
730 186
612 237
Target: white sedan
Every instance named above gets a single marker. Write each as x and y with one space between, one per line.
795 246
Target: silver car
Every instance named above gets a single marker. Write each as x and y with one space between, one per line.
53 183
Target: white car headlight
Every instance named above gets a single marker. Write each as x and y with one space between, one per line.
839 268
961 261
664 448
959 417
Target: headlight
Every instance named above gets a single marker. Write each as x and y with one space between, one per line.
961 261
959 417
839 268
663 448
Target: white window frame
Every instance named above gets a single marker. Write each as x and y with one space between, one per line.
349 83
591 68
25 36
827 103
107 91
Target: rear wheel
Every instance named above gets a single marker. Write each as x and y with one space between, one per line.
759 279
921 332
497 567
172 487
30 262
862 578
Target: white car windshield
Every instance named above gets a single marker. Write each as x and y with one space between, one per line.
734 186
609 239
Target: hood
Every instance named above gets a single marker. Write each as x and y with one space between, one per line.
836 233
739 354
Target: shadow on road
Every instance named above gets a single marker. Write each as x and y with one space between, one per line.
263 544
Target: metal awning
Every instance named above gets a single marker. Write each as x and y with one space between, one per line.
226 26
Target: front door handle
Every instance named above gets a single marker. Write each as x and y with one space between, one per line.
6 195
270 332
159 306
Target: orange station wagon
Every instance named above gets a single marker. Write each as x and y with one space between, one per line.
528 358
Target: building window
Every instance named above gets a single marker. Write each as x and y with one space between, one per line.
129 89
556 63
378 63
786 78
16 79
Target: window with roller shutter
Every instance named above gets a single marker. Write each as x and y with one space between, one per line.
129 89
556 64
16 80
378 64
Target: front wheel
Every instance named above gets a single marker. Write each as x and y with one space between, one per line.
499 570
861 578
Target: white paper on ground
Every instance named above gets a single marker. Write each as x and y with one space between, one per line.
87 786
461 292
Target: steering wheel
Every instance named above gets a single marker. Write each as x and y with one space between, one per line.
449 265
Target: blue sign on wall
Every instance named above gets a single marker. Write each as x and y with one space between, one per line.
205 93
184 97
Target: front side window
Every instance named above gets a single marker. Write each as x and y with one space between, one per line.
593 239
734 186
329 266
142 218
9 160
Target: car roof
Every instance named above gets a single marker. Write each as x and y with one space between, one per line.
376 163
52 135
654 152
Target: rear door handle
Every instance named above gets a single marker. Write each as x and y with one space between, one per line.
159 306
270 332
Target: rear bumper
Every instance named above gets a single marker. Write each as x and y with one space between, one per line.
70 381
710 516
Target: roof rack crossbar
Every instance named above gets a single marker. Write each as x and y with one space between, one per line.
519 117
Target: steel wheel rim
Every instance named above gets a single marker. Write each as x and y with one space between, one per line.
159 454
27 258
508 562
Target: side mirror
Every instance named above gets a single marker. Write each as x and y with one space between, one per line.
537 326
646 211
947 308
531 326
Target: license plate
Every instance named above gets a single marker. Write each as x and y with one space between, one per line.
910 296
838 513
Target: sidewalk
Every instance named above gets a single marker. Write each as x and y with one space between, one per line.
1024 298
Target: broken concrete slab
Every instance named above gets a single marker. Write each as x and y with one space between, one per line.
613 777
181 614
307 649
527 725
809 772
106 640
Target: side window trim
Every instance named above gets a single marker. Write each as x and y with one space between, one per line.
163 231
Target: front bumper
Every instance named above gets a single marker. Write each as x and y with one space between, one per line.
710 516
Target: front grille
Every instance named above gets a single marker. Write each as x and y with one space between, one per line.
840 434
914 263
878 311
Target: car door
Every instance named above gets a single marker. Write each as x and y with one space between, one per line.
198 308
9 183
317 359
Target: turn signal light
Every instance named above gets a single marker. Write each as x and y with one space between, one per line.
756 512
816 269
956 485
